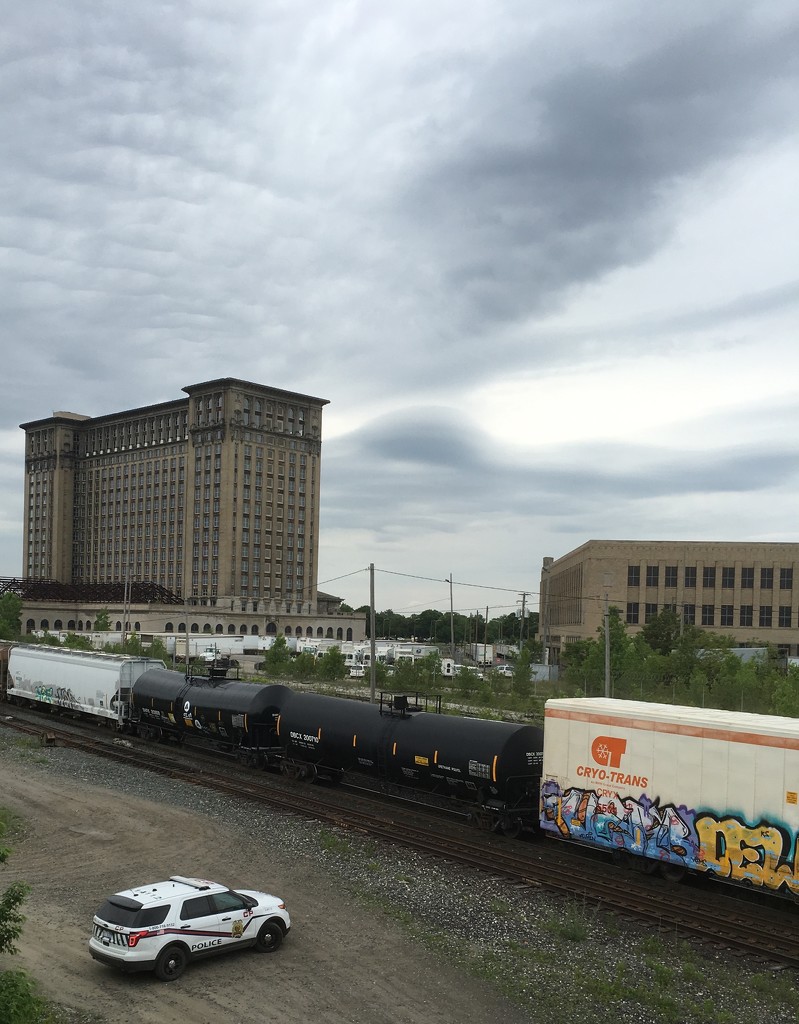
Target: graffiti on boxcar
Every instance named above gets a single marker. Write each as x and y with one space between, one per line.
765 855
638 825
60 695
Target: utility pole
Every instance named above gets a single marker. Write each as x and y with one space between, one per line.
607 647
521 625
451 621
607 581
372 658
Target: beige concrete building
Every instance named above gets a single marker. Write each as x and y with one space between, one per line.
747 591
213 498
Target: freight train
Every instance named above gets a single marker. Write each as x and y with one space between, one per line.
661 788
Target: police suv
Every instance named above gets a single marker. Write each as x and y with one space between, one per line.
163 926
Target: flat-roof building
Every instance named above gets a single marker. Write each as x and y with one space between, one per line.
745 590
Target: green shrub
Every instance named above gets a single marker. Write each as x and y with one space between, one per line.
19 1003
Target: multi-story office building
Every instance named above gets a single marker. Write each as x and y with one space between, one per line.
747 591
214 497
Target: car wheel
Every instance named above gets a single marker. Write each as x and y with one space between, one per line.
269 938
171 963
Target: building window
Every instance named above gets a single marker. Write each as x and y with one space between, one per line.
652 575
746 615
765 615
784 616
707 615
632 613
786 579
766 579
650 612
747 578
671 576
709 576
689 614
690 576
728 577
727 615
633 575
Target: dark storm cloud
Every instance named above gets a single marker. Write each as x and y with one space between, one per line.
422 468
558 179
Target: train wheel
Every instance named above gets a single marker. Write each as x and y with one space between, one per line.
510 827
307 773
672 872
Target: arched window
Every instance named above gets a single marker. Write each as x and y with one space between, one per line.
339 633
58 624
243 631
168 628
89 625
231 629
271 629
80 624
137 627
288 630
349 633
329 633
118 626
219 628
30 625
309 631
207 628
298 630
45 624
181 627
71 625
254 630
195 628
320 632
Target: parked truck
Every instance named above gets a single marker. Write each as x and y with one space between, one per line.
482 654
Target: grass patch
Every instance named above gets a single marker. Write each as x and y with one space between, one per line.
332 843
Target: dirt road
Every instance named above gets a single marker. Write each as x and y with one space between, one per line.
341 963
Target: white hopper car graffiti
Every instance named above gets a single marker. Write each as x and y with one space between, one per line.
683 789
88 682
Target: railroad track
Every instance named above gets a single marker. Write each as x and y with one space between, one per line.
699 910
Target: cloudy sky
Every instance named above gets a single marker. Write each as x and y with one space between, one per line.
542 259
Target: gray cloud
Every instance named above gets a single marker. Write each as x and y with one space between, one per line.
380 204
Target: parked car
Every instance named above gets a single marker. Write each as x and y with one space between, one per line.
163 926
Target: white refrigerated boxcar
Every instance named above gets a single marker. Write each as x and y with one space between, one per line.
85 682
685 788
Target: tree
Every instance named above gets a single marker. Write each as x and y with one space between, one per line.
102 621
521 673
76 642
331 665
11 919
304 666
662 633
10 617
277 658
